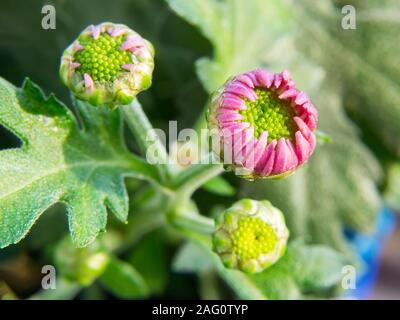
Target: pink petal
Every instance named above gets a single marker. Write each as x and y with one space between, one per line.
234 142
95 32
301 98
290 84
241 144
226 110
277 80
304 129
257 151
245 79
266 171
241 89
313 142
282 157
75 65
290 93
88 81
116 31
269 150
309 108
229 117
260 146
128 66
293 157
253 77
264 78
132 42
311 122
233 103
234 128
77 47
286 75
303 147
221 111
248 161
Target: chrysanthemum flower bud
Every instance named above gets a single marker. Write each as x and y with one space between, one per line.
83 265
108 64
264 125
250 236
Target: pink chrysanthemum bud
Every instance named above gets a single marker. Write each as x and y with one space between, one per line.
264 125
108 64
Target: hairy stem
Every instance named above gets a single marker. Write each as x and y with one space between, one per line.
192 222
195 176
145 135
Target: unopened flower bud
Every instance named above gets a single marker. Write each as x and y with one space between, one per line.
82 265
108 64
264 125
250 236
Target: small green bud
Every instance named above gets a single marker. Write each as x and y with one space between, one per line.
82 265
108 64
250 236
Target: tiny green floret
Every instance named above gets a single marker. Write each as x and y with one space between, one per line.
271 114
102 58
252 238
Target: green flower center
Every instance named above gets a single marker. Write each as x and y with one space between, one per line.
252 238
269 113
102 58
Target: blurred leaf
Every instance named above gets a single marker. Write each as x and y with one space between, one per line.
190 258
322 137
58 162
365 61
219 186
392 190
237 31
150 259
80 265
303 270
6 293
122 280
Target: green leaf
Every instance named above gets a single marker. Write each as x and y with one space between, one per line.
303 270
121 279
238 31
150 259
219 186
370 83
80 265
59 162
392 190
190 258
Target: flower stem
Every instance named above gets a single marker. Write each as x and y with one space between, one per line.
145 134
195 176
194 222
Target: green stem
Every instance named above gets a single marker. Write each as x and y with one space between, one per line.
145 135
193 222
195 176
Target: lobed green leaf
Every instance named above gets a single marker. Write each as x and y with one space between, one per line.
59 161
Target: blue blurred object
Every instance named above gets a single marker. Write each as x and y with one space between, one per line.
369 247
